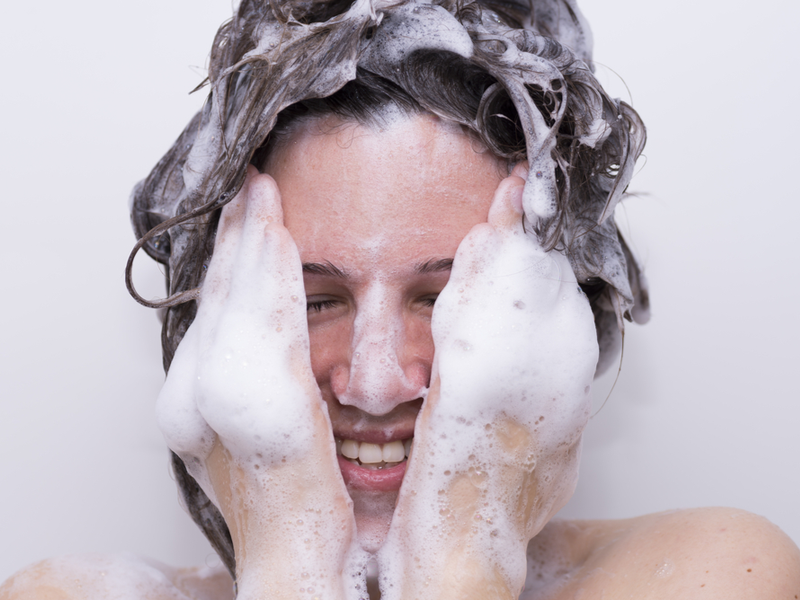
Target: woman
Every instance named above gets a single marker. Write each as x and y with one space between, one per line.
341 173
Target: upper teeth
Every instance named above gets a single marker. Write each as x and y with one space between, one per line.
393 452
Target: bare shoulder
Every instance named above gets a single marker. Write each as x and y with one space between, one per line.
699 553
114 577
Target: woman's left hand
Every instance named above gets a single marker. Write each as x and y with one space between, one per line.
497 442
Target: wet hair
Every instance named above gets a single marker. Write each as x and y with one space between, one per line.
517 77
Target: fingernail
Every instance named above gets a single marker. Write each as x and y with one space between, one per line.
520 170
516 200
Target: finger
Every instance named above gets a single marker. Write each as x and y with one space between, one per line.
521 170
184 428
232 218
505 214
216 285
269 261
267 278
263 203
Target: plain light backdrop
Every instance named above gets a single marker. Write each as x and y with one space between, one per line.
706 409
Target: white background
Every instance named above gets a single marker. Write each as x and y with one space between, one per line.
706 410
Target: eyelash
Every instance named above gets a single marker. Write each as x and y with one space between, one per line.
320 305
430 301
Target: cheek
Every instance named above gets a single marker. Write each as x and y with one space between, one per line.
418 339
330 349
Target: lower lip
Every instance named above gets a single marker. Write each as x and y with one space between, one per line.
377 480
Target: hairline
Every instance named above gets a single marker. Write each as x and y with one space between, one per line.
379 119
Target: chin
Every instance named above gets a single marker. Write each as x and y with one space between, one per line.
373 511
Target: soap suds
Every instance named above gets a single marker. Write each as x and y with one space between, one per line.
497 454
242 409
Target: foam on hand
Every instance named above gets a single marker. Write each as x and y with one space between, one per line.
242 409
496 449
241 372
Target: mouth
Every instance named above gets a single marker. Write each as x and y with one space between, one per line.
373 467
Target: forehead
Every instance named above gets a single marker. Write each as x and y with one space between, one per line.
416 185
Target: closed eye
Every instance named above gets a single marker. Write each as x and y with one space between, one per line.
428 301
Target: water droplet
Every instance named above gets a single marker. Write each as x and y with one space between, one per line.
478 479
294 298
665 569
539 175
279 329
519 304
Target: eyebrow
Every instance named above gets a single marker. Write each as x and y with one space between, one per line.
329 269
326 268
434 266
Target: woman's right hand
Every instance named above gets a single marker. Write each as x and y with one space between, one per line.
242 408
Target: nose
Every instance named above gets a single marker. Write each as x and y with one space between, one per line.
386 368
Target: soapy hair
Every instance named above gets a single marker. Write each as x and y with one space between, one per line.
518 77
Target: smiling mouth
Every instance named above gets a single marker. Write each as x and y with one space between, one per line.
374 456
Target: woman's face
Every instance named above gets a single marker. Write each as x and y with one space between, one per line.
377 215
